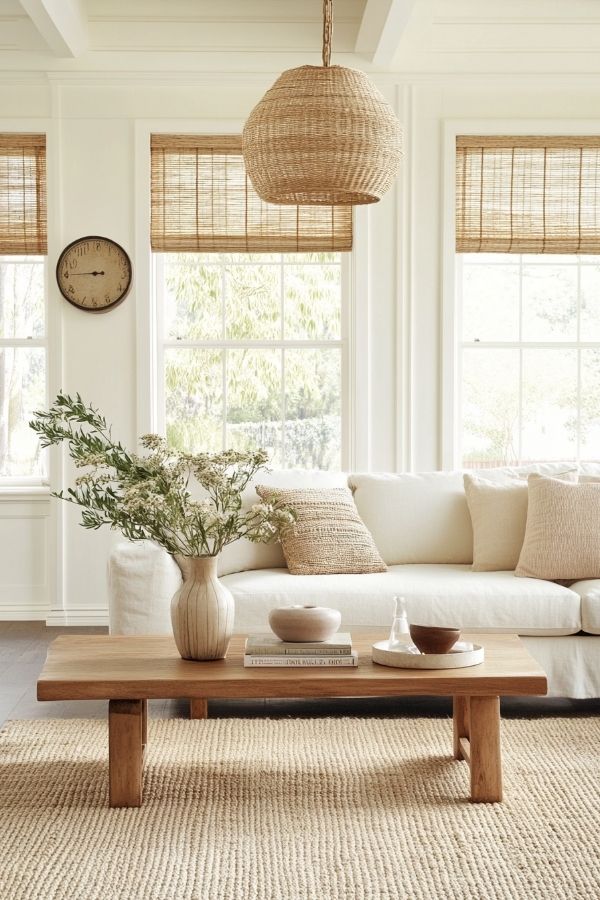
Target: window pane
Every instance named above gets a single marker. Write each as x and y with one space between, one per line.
312 302
549 405
490 407
590 303
254 401
22 391
193 303
219 395
194 399
253 302
549 303
313 257
590 406
490 302
22 297
242 259
313 398
549 259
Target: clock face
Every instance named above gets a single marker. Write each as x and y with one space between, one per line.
94 273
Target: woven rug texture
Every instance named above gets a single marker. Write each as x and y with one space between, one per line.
326 809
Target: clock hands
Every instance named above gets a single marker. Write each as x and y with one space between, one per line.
72 274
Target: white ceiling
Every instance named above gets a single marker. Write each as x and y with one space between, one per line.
549 36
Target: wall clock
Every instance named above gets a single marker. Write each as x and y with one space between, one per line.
94 273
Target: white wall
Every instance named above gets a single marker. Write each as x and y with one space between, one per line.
49 566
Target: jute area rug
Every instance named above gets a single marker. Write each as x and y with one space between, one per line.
299 808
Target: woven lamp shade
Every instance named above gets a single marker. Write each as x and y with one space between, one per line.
322 135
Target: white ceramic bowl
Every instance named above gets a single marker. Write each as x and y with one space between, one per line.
304 623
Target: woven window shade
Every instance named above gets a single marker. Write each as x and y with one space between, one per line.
23 228
528 194
203 200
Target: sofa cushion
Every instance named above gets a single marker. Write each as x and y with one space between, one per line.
498 515
589 591
328 536
437 594
498 510
243 555
562 532
416 518
423 517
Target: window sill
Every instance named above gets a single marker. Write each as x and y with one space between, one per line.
10 492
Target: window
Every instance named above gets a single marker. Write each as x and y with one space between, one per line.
251 353
22 364
251 320
529 358
528 288
22 303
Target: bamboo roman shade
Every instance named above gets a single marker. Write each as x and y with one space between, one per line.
23 228
203 200
528 194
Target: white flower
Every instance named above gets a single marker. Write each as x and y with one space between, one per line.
153 442
90 459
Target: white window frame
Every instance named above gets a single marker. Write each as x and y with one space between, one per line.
12 488
7 481
355 299
451 326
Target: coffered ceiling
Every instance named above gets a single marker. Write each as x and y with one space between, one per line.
418 36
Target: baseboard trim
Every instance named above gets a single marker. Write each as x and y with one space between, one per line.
16 614
65 617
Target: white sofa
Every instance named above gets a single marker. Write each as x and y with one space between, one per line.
422 528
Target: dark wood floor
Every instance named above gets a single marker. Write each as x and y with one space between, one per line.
23 647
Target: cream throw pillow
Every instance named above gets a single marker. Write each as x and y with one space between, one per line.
329 537
562 536
498 515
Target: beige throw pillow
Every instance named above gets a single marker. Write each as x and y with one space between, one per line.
329 537
498 515
562 536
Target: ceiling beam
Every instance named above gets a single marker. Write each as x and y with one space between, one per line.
61 23
381 29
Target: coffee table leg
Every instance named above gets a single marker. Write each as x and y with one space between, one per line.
198 708
460 717
125 752
486 763
144 723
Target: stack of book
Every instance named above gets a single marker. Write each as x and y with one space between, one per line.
268 650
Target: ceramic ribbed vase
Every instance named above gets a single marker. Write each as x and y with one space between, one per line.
201 610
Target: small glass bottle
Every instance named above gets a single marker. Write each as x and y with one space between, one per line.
399 635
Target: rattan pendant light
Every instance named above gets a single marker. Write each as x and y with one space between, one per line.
322 135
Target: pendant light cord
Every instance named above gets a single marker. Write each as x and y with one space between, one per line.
327 30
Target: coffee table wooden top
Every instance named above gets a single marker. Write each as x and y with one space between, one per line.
103 667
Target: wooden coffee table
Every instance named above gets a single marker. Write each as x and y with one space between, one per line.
129 671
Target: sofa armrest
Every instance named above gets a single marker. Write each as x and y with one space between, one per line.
142 578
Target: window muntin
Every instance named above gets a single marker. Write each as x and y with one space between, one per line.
23 355
529 358
252 353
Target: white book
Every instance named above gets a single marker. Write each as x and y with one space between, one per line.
350 659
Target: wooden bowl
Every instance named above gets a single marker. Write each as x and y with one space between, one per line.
430 639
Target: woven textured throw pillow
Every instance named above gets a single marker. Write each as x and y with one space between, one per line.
328 537
562 535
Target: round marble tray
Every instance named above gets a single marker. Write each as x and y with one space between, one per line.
459 657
